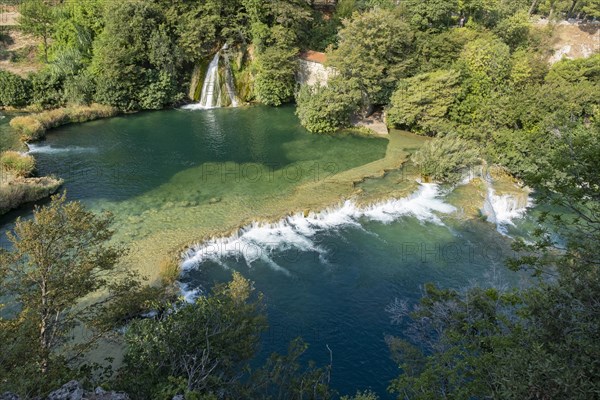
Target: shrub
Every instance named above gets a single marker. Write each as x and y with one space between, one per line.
20 164
169 271
28 127
421 103
14 90
79 89
47 89
444 160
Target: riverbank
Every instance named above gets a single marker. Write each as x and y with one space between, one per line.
17 187
33 127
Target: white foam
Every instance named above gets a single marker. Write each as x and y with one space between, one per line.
258 241
502 210
34 148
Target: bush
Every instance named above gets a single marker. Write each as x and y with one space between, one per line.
14 90
444 160
79 89
169 271
325 109
20 164
28 127
47 89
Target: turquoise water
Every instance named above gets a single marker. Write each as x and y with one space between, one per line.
170 177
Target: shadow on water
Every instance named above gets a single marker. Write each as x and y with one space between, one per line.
124 157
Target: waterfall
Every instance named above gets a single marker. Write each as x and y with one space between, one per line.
229 82
501 210
212 88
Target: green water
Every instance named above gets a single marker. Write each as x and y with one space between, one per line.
175 177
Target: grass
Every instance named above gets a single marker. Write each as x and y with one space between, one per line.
169 271
33 127
21 165
25 190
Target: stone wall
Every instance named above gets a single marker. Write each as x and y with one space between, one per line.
312 73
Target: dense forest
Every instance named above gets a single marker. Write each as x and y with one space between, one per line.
471 74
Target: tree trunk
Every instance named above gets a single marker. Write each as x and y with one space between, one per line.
44 329
573 4
534 4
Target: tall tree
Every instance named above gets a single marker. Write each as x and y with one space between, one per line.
37 19
58 257
374 48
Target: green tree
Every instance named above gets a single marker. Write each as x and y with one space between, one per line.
323 109
130 63
374 48
37 18
275 68
421 103
58 258
197 348
431 14
283 377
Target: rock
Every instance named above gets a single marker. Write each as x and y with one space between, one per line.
73 391
214 200
69 391
9 396
178 397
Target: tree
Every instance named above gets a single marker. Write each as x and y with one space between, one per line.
323 109
283 377
130 58
421 103
59 257
197 348
431 14
275 68
374 49
37 19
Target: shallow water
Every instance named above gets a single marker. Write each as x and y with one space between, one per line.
177 177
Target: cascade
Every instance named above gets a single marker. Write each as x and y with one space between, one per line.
211 95
501 210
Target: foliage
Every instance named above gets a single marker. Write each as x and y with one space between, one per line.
373 48
275 67
47 89
194 348
283 378
20 164
435 14
14 90
58 257
421 103
323 109
131 71
37 18
445 159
